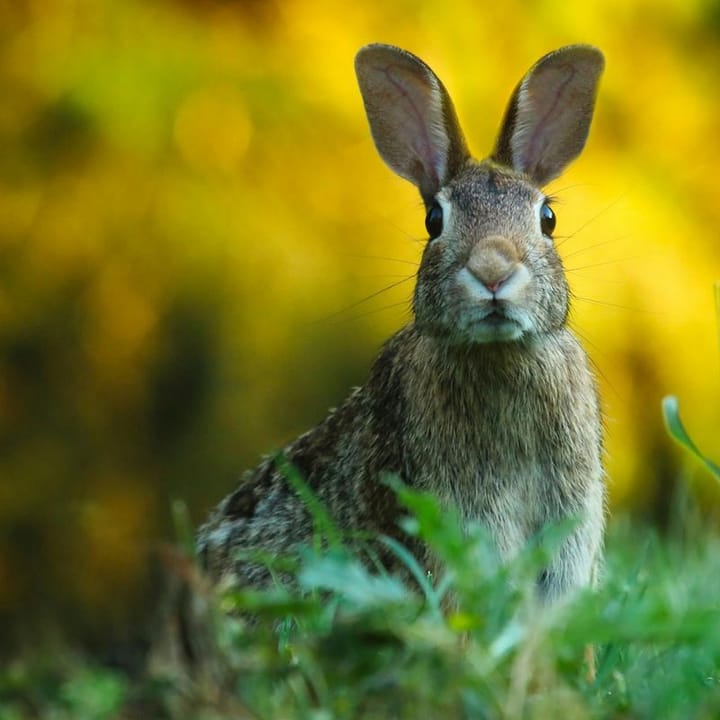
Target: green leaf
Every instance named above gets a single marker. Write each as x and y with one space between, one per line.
439 526
347 577
94 694
671 414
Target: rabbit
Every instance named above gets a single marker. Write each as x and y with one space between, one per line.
486 399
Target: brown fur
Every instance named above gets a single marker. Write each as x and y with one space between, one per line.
506 428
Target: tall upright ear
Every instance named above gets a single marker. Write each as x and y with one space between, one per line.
548 118
411 116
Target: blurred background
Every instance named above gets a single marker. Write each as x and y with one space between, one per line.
195 229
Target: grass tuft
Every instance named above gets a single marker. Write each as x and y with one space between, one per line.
345 640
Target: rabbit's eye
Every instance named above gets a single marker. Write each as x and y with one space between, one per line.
547 220
434 220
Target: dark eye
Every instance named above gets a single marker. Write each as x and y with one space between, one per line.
434 220
547 220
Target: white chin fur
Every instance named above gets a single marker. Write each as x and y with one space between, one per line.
479 333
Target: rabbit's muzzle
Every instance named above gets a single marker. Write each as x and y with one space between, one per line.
495 283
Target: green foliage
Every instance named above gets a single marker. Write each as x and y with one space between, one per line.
671 413
343 640
80 691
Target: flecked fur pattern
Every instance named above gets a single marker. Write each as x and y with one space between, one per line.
486 399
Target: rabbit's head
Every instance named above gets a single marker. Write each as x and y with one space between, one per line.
490 271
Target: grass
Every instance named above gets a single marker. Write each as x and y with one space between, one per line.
351 642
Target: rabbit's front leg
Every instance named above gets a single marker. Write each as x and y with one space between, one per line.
576 563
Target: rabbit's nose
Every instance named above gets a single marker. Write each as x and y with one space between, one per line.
492 284
493 263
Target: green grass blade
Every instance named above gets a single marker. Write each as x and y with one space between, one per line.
671 414
432 597
322 521
183 526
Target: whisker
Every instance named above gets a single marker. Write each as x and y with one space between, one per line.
390 223
377 276
363 300
613 306
382 257
579 251
591 220
406 302
565 188
608 281
606 262
596 350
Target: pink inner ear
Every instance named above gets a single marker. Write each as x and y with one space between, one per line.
546 95
551 112
545 116
411 117
415 108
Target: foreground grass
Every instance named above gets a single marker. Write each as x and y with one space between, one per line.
355 643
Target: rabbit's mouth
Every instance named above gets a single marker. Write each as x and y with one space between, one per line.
496 316
492 326
500 326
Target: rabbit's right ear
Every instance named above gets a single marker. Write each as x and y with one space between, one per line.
411 116
548 119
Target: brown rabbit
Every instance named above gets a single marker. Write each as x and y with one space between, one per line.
486 399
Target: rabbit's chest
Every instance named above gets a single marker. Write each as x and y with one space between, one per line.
492 470
505 459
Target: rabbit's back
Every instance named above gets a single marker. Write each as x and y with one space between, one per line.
342 461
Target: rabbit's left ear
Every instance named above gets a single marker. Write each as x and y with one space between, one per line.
411 116
548 118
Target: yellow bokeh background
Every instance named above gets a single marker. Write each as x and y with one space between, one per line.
192 213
